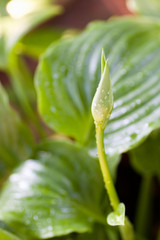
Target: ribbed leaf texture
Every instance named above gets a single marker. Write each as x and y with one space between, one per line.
69 73
56 193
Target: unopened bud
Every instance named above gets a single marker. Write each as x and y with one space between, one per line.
102 103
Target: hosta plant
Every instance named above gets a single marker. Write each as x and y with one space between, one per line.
62 186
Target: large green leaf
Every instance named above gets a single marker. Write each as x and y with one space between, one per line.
16 140
57 193
146 158
145 7
69 72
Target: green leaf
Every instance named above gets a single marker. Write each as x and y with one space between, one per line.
117 217
69 72
4 235
22 92
57 193
16 141
12 29
2 51
145 7
100 232
3 11
31 45
145 158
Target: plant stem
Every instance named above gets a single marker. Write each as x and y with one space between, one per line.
105 169
126 230
144 209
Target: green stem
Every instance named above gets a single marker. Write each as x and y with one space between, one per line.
126 230
144 207
105 169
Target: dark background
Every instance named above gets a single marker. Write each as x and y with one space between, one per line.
80 12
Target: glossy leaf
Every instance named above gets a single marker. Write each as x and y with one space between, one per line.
146 158
145 7
69 72
16 140
57 193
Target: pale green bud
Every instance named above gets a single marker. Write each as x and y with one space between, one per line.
102 103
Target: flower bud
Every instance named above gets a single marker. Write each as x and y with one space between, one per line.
102 103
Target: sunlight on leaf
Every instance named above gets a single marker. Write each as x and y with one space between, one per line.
12 30
58 191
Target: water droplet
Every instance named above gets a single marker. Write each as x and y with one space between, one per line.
53 109
52 212
126 121
65 210
35 217
138 101
55 76
27 222
50 228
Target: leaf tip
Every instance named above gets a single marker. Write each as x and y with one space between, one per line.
117 218
103 61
